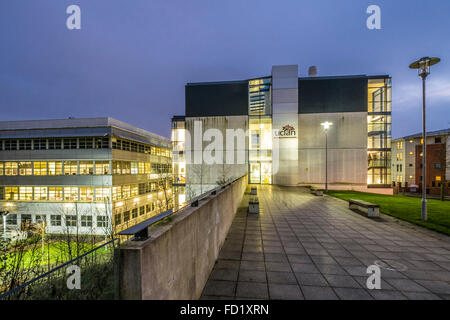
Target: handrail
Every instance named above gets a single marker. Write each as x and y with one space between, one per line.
53 270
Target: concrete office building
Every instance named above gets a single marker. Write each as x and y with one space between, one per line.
285 143
93 176
407 162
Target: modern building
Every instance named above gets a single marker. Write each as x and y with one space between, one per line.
90 176
407 162
284 142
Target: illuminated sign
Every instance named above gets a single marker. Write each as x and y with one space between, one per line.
287 131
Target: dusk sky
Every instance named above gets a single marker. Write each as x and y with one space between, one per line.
132 58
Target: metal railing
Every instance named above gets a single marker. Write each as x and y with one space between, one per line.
97 269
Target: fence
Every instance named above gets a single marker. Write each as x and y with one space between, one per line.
96 275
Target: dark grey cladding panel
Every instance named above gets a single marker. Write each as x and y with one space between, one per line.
217 99
332 95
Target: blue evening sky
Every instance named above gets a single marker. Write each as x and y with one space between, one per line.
132 58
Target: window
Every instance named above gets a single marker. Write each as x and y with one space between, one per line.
71 193
12 193
134 213
101 167
86 167
70 143
102 194
147 208
116 167
11 168
117 219
1 168
134 168
39 144
126 192
134 190
25 193
71 220
40 193
10 145
85 143
438 178
117 193
70 167
141 210
41 219
25 218
437 166
437 140
126 167
126 216
54 144
40 168
24 144
102 143
86 193
102 221
25 168
2 193
148 168
55 168
86 221
11 219
55 193
141 167
55 220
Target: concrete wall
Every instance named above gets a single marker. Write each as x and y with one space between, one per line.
175 262
285 112
347 148
202 176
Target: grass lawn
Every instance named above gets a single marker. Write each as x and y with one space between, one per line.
405 208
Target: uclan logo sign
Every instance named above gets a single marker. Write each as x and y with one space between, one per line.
287 131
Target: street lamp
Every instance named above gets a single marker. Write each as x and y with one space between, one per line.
4 214
423 65
326 125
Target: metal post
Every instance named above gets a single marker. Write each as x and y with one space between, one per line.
326 161
4 226
424 162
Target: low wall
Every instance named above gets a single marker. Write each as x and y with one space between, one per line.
175 262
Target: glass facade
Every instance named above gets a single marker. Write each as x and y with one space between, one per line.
260 131
179 160
379 132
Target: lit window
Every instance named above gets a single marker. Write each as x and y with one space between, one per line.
25 168
134 168
1 168
101 167
411 153
86 167
86 193
438 178
71 193
11 168
40 168
40 193
55 168
55 193
134 190
11 193
102 194
117 193
25 193
126 192
70 167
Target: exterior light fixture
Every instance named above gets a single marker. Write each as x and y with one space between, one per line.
423 66
326 125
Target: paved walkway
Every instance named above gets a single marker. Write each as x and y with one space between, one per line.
307 247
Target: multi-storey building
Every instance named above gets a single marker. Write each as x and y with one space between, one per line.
95 175
407 162
285 142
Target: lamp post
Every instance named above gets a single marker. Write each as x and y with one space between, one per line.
423 65
326 125
4 214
